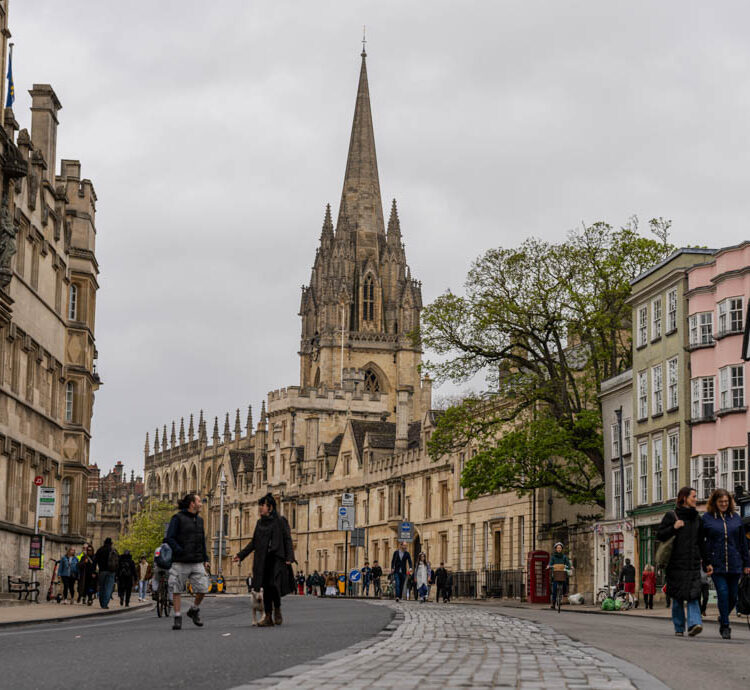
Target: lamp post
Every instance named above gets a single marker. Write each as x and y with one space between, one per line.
222 491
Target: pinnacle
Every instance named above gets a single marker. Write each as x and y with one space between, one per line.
237 427
191 428
147 446
249 420
227 433
216 427
327 232
182 430
156 440
394 225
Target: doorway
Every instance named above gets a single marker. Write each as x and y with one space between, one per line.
497 548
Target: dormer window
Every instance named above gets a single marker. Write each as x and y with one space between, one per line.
368 300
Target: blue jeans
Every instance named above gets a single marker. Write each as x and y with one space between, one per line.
366 588
142 588
398 584
678 614
555 585
106 587
726 594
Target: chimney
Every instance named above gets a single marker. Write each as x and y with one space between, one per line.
403 401
44 107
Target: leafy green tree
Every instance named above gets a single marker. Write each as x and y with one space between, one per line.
147 529
546 323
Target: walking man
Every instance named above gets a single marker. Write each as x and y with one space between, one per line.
441 582
187 540
144 575
366 577
274 554
377 573
400 564
107 561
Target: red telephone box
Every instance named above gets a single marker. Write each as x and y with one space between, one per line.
537 580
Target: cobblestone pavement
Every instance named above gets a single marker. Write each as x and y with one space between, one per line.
452 646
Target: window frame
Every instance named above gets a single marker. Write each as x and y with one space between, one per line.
673 463
671 310
657 468
642 326
656 317
642 394
657 390
673 384
643 472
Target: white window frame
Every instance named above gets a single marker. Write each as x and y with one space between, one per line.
626 436
629 488
642 325
615 441
673 381
703 475
616 493
657 390
643 472
732 387
656 318
73 302
65 491
70 394
672 310
723 473
730 315
642 394
657 467
739 468
673 463
702 398
701 328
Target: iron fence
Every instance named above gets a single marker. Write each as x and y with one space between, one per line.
509 584
465 584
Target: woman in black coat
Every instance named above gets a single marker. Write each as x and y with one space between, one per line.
274 554
684 569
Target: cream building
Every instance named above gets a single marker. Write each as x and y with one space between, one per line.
48 285
357 422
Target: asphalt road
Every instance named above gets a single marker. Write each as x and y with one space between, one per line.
140 650
705 661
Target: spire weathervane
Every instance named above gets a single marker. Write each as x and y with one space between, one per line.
364 40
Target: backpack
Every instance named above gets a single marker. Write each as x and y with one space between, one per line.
743 596
124 568
113 561
163 556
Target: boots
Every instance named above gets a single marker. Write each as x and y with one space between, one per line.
277 619
267 622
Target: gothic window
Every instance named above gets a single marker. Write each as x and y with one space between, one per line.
368 300
372 384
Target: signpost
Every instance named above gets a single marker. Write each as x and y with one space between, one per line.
355 575
346 518
347 499
46 496
406 532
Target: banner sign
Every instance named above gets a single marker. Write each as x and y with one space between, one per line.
35 552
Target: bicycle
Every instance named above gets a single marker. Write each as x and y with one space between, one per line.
163 602
606 592
560 576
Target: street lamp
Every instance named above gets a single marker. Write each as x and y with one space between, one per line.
222 491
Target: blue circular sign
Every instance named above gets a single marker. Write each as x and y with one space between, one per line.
355 575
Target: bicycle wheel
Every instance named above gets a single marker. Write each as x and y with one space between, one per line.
167 604
600 597
559 599
158 606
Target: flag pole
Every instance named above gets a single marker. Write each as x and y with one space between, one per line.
6 36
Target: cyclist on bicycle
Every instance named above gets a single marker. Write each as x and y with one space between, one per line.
558 558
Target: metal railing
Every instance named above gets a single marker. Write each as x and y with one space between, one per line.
509 584
465 584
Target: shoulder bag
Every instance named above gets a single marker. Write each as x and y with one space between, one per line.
664 551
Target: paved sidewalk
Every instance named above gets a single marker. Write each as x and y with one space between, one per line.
464 647
47 612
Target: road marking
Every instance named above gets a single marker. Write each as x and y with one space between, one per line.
226 634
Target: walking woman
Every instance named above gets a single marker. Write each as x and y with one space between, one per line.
68 570
684 569
726 552
87 576
422 576
649 585
274 554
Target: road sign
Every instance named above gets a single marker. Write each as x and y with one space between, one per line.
46 501
39 480
355 575
358 536
406 531
346 518
347 499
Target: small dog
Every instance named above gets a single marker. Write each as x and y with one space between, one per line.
256 601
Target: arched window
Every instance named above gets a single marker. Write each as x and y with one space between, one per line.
73 302
368 300
70 392
372 384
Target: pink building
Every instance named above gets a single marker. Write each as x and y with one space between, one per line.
717 299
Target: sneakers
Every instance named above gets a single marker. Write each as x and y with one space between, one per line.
694 630
177 625
194 615
277 619
726 632
680 634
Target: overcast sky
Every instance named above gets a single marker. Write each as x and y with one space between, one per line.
215 133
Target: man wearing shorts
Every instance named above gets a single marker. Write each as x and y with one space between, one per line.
189 558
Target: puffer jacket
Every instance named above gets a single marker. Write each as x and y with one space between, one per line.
726 543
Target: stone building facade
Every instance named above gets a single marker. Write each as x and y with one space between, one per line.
48 285
358 421
113 500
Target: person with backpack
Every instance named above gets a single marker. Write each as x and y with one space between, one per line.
727 553
107 561
187 539
126 577
684 527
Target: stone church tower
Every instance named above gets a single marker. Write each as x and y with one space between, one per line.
361 303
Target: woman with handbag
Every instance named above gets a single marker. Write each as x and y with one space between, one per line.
274 555
727 553
682 540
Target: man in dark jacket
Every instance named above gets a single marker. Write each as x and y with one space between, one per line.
187 540
126 576
274 554
441 582
400 565
377 573
106 579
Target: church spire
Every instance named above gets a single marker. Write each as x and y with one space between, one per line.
394 226
360 198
